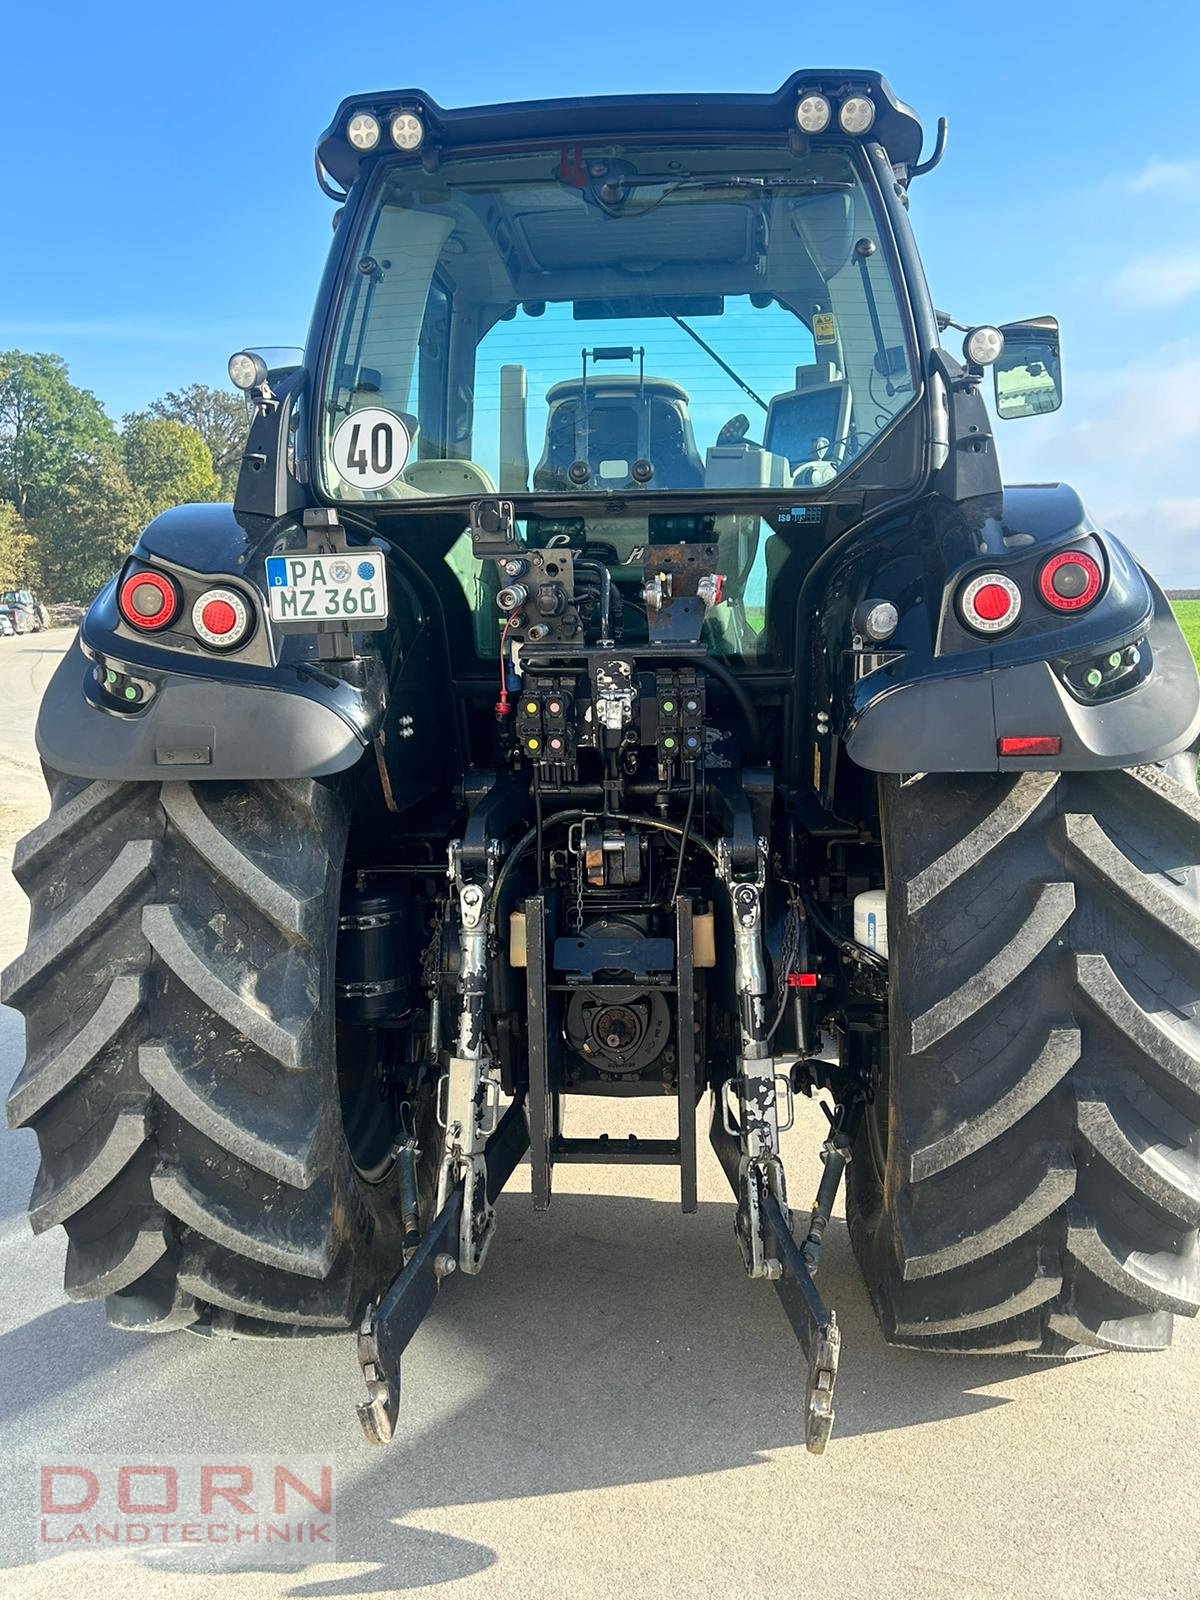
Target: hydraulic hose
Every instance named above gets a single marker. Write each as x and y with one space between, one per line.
745 705
605 576
526 839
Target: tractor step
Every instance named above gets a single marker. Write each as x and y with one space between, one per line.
630 1151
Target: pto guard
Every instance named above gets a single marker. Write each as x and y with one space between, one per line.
954 723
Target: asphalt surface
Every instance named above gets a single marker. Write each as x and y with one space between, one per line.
610 1409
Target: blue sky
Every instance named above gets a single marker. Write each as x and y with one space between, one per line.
161 211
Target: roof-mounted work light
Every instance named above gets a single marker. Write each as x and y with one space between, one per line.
856 114
363 131
813 113
408 132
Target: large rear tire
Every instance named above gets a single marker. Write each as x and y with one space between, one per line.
181 1071
1028 1178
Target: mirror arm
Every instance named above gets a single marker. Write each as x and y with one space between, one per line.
970 469
265 487
958 378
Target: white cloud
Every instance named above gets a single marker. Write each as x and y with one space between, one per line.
1170 175
1152 283
1127 439
1164 535
1125 416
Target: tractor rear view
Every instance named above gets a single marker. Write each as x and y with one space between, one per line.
623 673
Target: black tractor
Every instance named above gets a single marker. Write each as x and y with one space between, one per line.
623 673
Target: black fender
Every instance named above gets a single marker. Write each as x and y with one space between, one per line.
270 710
937 698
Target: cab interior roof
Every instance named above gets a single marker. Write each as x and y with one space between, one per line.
708 116
558 249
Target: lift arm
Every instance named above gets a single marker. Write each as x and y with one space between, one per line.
814 1325
390 1324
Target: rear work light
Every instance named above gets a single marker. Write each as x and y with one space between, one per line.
408 132
221 618
1069 581
362 131
147 601
856 114
989 603
813 113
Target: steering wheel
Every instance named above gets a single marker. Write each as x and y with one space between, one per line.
813 474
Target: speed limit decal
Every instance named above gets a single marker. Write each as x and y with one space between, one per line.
370 448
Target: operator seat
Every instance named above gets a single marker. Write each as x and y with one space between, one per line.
619 416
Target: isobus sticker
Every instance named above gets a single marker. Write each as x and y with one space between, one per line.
370 448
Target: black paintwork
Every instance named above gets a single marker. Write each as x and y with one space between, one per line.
937 721
723 118
946 695
199 726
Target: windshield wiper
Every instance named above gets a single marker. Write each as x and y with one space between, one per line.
611 195
721 362
732 181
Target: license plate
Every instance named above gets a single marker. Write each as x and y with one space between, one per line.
348 586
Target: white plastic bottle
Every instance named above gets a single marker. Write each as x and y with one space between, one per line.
870 920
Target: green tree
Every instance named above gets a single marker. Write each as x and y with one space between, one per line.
16 553
168 463
49 431
219 417
83 538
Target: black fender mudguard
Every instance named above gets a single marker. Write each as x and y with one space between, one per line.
938 698
272 710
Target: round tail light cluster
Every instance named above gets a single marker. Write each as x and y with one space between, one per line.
989 603
221 618
1069 581
147 601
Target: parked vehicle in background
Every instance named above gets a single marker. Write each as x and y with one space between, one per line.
6 625
24 611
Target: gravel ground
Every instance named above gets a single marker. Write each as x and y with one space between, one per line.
611 1408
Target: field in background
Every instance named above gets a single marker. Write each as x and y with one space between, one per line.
1188 612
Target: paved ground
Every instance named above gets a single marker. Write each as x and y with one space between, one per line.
611 1409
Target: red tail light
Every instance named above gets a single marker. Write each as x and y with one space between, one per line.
989 603
147 601
1069 581
221 618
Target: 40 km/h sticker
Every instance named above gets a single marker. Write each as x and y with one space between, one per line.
370 448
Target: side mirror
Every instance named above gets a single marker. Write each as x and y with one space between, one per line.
1028 372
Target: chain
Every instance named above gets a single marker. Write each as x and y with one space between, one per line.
431 956
575 851
578 893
